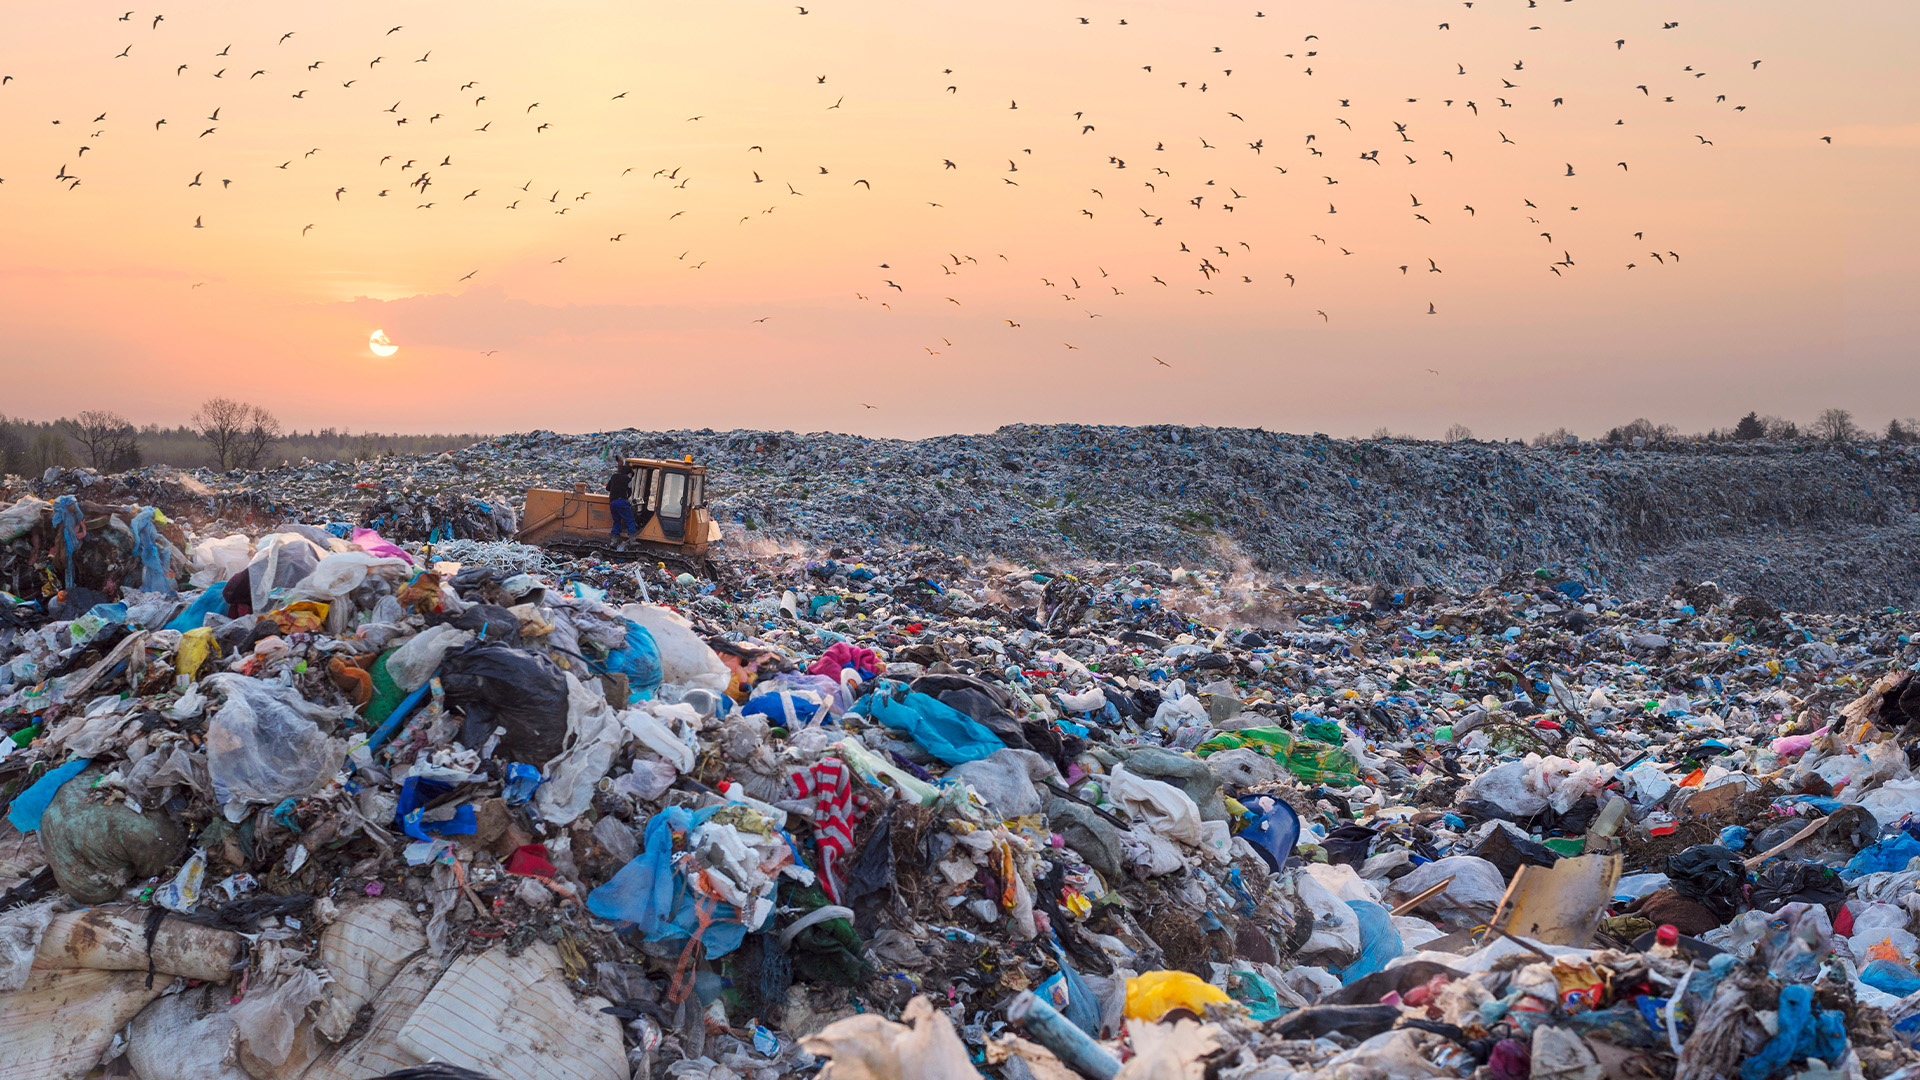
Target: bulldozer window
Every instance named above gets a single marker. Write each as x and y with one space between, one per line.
673 504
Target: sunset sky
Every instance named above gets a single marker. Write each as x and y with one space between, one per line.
1796 286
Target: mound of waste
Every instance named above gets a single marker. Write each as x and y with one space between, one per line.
301 800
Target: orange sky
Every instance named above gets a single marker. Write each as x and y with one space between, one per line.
1794 288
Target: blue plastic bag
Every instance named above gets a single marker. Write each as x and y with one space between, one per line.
1883 856
415 794
1070 995
638 660
784 708
33 802
66 514
1891 977
146 546
211 602
651 894
945 732
1379 941
1734 837
1803 1034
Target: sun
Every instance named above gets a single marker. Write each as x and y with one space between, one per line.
381 345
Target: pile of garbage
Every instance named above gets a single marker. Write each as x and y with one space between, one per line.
305 801
1813 527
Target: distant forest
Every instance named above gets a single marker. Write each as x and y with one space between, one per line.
29 447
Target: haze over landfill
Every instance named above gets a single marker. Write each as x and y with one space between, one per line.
742 216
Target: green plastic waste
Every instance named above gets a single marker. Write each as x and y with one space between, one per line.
387 694
1258 995
1309 759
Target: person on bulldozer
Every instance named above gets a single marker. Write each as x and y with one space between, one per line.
620 502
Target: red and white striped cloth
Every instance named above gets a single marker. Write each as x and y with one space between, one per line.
837 810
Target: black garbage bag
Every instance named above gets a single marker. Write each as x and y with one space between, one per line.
1781 883
497 685
1356 1021
1852 827
1578 818
1122 703
490 622
1349 845
1509 852
1711 876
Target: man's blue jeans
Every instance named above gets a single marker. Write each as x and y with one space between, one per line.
623 518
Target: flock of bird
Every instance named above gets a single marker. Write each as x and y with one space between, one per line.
417 144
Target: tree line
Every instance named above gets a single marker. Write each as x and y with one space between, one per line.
222 434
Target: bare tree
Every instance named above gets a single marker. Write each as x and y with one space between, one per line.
1381 432
1836 425
104 435
263 430
220 422
1557 437
1643 429
1458 433
1903 432
239 434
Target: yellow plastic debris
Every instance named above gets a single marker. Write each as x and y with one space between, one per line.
1157 993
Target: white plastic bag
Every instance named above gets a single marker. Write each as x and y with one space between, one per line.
594 733
1506 787
684 657
218 558
264 745
1166 809
344 571
413 663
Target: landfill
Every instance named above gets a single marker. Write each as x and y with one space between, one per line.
340 782
1811 526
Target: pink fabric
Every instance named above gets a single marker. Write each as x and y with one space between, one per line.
837 810
1795 745
843 655
373 543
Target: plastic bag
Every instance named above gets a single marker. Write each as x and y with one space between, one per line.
1781 883
1379 941
373 543
500 686
1711 876
264 745
1311 761
594 735
154 576
639 660
218 558
210 602
650 893
344 571
685 659
1507 787
1153 994
415 661
282 561
1004 781
96 849
20 518
945 732
1884 856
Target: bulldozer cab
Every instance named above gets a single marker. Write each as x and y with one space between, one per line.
669 505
